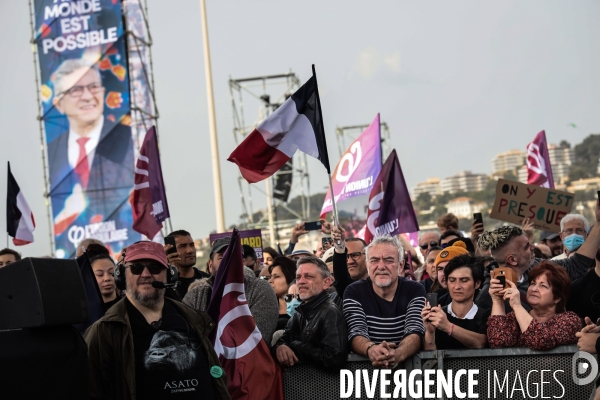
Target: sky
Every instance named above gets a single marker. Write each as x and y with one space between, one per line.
456 81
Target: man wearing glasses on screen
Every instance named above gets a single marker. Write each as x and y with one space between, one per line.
93 153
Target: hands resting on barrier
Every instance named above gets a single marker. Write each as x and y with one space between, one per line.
588 336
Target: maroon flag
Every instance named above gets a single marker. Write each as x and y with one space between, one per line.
251 371
390 208
539 171
149 200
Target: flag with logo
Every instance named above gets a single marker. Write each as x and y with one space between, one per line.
296 125
539 170
252 373
390 207
20 223
149 200
358 168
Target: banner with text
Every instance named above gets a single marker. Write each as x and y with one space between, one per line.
86 113
358 168
251 237
516 201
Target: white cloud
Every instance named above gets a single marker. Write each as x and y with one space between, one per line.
369 62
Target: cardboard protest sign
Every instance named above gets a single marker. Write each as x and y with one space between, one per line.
251 237
516 201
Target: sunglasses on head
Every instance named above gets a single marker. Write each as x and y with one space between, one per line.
289 297
154 269
426 245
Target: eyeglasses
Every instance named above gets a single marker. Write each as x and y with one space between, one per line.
355 256
137 269
426 245
289 297
77 91
578 231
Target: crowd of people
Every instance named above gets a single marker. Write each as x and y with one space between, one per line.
385 300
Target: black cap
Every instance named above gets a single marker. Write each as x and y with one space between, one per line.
547 235
220 244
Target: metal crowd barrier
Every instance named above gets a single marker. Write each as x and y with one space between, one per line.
502 370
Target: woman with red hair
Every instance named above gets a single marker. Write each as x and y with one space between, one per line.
547 325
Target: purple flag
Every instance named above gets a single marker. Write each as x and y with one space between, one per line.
357 169
539 171
149 200
390 208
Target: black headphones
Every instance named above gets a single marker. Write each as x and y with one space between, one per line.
121 283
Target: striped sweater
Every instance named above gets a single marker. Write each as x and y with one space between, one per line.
376 319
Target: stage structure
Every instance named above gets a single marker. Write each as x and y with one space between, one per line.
95 90
351 132
265 94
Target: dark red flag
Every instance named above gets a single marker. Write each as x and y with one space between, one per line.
149 200
539 170
390 208
252 374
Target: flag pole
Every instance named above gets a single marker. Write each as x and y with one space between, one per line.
335 214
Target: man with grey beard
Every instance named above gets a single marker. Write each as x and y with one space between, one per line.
383 311
148 346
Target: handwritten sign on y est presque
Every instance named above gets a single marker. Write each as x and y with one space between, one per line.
516 201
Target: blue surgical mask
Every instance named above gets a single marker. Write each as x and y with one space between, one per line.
291 306
573 241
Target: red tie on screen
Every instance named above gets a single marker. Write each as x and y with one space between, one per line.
82 169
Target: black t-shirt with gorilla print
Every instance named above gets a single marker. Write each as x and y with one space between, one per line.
170 362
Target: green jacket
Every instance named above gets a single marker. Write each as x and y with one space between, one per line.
112 360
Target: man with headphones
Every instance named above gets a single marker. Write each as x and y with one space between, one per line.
149 346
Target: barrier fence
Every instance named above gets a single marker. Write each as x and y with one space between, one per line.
512 373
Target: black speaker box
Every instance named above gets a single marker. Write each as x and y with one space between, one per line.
36 292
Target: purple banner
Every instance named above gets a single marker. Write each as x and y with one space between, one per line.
357 169
251 237
390 208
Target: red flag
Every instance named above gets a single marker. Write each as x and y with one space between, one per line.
252 374
539 171
390 208
149 201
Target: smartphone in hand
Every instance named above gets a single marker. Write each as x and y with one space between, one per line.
312 226
432 299
478 217
171 240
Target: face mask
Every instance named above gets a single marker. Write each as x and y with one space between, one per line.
573 241
291 306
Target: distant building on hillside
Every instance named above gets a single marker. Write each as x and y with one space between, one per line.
561 159
465 207
508 162
464 181
431 186
584 184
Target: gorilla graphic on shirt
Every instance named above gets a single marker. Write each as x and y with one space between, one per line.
170 350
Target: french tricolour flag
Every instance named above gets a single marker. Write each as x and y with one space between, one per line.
296 125
19 218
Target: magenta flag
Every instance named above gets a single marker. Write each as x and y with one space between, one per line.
390 208
539 170
149 199
357 169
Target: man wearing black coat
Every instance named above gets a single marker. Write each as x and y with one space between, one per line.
316 334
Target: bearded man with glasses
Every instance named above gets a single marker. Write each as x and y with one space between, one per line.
148 346
94 153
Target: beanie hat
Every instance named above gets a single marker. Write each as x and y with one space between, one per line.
459 248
